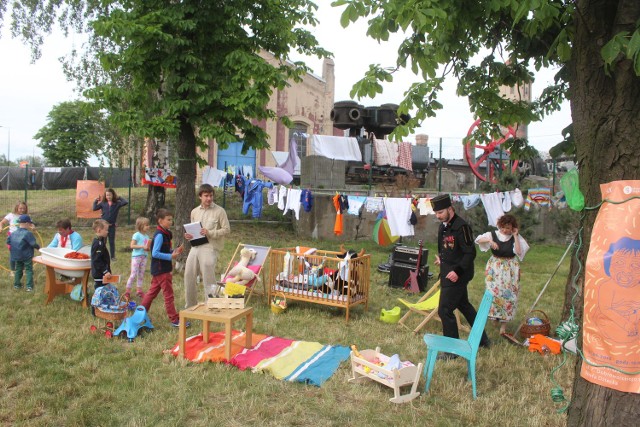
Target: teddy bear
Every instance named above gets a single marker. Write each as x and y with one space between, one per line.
240 274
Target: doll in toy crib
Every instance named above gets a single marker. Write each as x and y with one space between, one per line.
338 280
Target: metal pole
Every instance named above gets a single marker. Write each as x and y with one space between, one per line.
224 188
26 181
130 184
370 162
440 168
548 281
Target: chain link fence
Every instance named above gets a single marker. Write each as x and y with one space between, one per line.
48 202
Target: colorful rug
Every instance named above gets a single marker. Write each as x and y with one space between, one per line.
296 361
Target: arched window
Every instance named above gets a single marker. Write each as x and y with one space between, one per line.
299 131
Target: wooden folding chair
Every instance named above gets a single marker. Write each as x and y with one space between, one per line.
257 265
427 306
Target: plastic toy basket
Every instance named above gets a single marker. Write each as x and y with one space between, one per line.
535 324
117 311
278 303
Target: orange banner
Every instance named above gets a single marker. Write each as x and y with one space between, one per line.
86 193
611 343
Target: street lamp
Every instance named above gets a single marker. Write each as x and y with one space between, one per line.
8 143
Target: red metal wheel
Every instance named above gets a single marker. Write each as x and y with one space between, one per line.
93 329
476 161
110 325
108 334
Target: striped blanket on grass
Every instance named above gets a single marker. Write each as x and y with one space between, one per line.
285 359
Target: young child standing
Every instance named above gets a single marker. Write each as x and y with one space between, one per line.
110 204
11 220
100 259
140 246
23 242
161 256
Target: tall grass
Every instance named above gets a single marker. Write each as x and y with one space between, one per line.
53 371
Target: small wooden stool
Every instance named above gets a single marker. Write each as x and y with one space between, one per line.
226 316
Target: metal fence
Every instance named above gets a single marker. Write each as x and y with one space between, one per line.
46 207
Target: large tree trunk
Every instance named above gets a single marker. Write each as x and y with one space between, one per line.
185 189
156 197
605 111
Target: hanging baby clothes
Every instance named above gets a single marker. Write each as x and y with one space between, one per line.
516 198
506 201
272 195
373 204
398 215
282 195
424 206
493 207
337 227
240 185
355 204
253 196
293 202
213 176
470 201
307 200
540 196
247 170
404 155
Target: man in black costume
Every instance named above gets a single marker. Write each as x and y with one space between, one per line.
456 254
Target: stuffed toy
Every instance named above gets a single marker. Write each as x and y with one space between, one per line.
240 274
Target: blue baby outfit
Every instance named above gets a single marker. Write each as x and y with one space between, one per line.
253 196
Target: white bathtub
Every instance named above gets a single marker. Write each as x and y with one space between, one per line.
56 256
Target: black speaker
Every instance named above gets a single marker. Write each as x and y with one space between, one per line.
409 255
400 273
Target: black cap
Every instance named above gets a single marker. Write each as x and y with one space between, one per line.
441 202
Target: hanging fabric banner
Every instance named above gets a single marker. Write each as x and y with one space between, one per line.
612 291
86 193
160 177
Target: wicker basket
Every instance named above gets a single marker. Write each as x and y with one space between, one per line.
527 330
278 303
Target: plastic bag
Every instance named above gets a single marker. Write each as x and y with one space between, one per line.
571 187
76 293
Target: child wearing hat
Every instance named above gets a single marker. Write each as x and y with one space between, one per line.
23 243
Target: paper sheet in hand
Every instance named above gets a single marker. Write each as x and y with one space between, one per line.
194 229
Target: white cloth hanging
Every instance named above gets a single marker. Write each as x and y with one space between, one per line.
516 198
213 176
506 201
493 207
293 202
336 147
398 215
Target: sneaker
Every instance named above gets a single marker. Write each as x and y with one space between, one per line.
17 287
140 293
177 324
29 289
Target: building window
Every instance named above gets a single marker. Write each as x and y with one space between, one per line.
299 131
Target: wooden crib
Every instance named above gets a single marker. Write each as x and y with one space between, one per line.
320 277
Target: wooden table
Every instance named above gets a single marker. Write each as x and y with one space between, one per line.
226 316
54 287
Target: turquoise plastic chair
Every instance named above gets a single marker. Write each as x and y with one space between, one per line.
463 348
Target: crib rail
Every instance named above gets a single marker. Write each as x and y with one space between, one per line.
321 277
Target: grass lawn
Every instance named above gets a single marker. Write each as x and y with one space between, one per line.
53 371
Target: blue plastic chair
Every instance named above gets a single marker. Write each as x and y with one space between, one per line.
463 348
